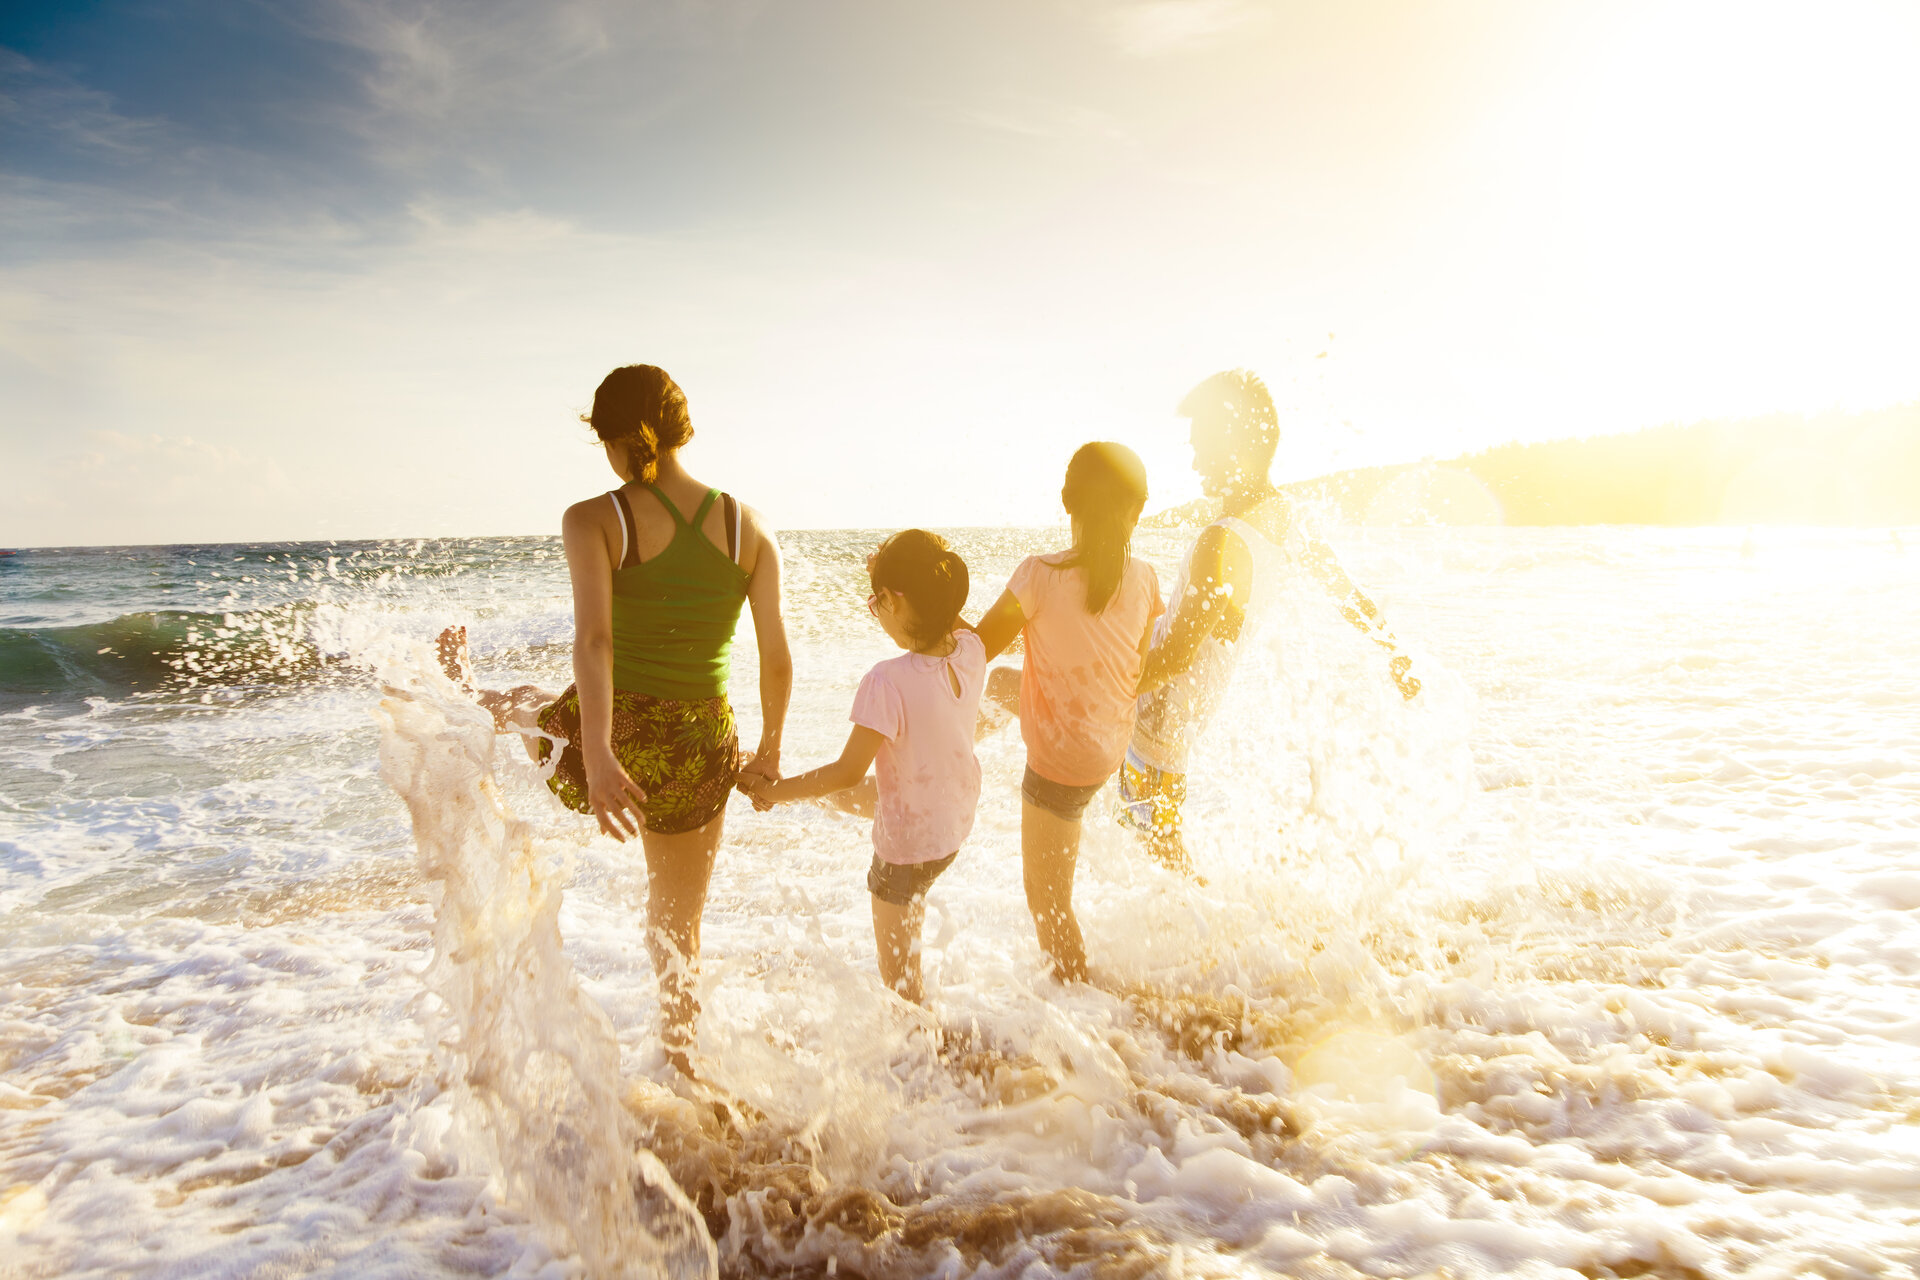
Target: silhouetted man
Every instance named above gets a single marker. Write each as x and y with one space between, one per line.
1229 578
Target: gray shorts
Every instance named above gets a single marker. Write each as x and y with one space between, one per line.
1057 798
899 883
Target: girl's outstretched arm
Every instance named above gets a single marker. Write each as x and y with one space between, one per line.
1000 625
863 744
998 628
770 635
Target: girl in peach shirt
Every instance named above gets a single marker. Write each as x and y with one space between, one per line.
1087 616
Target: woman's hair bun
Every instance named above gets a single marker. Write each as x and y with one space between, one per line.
639 406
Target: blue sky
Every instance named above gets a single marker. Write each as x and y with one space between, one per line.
349 267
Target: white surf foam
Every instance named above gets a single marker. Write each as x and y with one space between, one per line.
1645 1004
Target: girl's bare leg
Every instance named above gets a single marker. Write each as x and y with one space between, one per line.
896 936
1049 849
678 870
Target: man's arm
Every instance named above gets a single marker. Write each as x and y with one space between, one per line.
1357 609
1217 579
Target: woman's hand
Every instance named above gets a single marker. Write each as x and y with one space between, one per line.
765 761
616 799
755 786
758 772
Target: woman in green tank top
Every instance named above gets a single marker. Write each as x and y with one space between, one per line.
661 568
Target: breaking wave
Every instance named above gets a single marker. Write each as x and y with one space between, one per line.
156 651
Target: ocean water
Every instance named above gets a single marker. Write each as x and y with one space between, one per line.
1601 958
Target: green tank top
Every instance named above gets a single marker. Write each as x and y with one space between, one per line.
674 615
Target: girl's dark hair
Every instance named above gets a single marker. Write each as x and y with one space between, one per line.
1106 489
639 406
931 575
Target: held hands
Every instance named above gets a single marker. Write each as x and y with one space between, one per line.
1401 668
758 772
616 799
755 787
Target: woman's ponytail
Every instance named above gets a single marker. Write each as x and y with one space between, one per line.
1105 490
643 453
640 407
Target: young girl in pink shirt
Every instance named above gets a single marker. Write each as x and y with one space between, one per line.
915 715
1087 614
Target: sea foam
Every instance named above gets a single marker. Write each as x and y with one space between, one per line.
1603 968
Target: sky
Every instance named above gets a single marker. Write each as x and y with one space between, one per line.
352 268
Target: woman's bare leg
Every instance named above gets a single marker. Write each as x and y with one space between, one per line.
896 936
512 709
450 646
1049 848
517 709
678 870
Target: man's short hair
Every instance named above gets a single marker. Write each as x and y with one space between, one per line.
1238 400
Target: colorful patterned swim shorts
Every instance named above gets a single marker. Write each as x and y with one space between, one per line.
1150 801
684 755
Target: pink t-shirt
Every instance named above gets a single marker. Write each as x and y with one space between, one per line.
1077 687
929 780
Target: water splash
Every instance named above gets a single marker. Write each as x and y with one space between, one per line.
1629 1014
533 1057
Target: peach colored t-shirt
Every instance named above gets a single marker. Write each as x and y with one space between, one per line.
1077 687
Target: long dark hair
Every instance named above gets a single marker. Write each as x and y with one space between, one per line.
639 406
930 574
1106 489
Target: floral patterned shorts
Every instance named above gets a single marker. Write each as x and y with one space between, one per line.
684 755
1150 799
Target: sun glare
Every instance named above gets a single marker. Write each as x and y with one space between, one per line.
1744 174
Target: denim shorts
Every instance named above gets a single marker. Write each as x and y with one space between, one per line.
900 883
1057 798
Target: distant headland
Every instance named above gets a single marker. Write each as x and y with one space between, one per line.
1832 469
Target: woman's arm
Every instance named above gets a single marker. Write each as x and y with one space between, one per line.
863 744
999 625
770 634
614 796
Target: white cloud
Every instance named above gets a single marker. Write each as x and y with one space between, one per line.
1030 116
1161 27
448 65
44 103
105 486
1061 267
